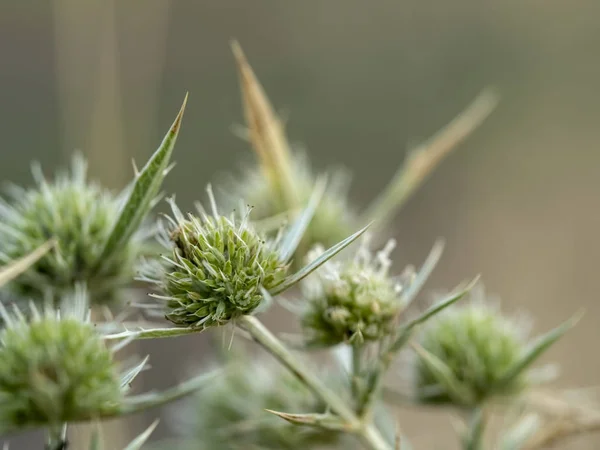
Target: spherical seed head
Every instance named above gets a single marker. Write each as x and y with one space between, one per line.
216 270
54 371
478 345
351 301
333 220
79 216
232 411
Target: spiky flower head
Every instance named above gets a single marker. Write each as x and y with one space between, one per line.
79 216
333 219
232 413
353 300
469 353
55 368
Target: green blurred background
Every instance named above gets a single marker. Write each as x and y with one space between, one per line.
361 82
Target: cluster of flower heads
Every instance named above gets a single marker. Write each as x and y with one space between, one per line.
79 216
354 300
55 367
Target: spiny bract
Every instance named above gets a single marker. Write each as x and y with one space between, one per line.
54 370
478 346
79 216
216 270
353 300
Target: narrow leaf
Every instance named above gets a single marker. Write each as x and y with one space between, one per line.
452 298
518 436
423 275
18 266
128 376
144 190
318 262
444 376
137 443
542 344
326 421
425 158
153 333
294 235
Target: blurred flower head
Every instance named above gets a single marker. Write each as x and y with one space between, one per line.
79 216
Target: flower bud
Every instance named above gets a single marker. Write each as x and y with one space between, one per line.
351 301
55 369
465 354
79 216
216 269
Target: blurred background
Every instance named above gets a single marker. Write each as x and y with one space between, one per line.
360 83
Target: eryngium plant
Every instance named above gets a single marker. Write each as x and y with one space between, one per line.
353 300
233 413
220 268
97 236
472 353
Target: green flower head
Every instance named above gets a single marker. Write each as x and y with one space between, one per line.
219 268
471 353
55 369
79 216
354 300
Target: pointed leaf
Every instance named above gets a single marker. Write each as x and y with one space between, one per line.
423 275
424 159
144 190
542 344
294 235
314 265
327 421
153 333
18 266
137 443
129 376
452 298
444 376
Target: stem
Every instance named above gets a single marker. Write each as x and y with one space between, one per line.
474 438
57 438
356 373
367 432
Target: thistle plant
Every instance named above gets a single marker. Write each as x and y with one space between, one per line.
69 245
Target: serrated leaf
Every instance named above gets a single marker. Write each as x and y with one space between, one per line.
294 235
314 265
18 266
137 443
542 344
452 298
444 376
144 190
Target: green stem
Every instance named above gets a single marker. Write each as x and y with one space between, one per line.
356 373
473 439
367 432
57 438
